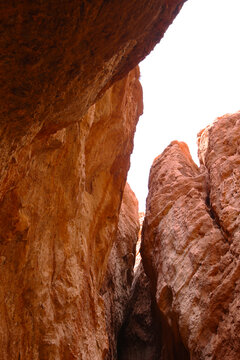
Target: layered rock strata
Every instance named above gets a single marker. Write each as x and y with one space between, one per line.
191 242
57 58
58 221
119 276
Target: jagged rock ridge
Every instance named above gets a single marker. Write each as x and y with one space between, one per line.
191 242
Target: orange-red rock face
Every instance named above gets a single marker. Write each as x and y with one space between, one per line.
191 241
57 58
58 221
63 169
119 275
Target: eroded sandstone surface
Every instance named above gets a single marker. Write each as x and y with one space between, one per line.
58 221
65 138
191 243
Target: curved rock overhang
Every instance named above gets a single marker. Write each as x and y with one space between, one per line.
57 58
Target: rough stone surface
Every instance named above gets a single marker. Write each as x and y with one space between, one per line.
58 57
63 169
140 337
58 220
119 275
191 241
222 160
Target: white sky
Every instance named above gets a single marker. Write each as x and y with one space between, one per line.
191 77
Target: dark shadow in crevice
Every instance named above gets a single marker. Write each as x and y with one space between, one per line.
215 218
146 334
171 342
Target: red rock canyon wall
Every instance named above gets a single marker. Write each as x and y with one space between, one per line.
63 170
58 221
69 108
57 58
191 241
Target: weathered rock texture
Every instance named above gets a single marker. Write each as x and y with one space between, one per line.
140 337
119 275
58 57
58 220
63 170
191 241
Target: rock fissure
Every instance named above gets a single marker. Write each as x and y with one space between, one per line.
215 218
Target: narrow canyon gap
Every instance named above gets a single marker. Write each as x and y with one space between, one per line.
70 102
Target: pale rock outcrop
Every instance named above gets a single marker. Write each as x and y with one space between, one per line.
138 255
119 276
191 241
58 221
